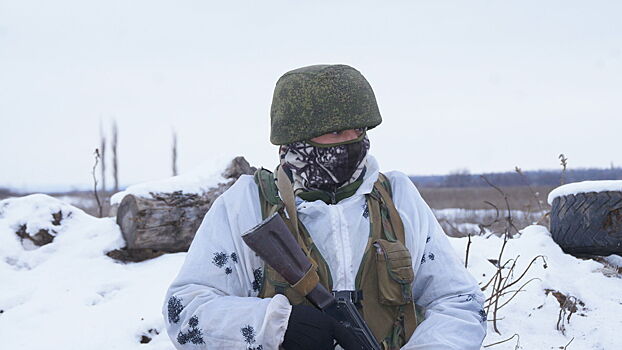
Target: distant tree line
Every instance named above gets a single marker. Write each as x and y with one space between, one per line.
463 178
5 193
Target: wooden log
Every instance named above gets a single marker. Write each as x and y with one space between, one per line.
168 221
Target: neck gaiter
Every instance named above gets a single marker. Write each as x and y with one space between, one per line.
324 167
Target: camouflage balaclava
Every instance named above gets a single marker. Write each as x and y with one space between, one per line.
324 167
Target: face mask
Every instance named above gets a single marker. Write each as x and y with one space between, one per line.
325 167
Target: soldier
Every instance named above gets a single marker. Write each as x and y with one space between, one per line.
368 232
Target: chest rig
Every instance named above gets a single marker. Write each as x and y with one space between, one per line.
384 280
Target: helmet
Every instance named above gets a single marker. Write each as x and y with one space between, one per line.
315 100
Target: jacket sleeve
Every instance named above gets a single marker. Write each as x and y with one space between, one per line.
213 303
453 302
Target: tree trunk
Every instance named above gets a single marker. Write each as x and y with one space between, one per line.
168 221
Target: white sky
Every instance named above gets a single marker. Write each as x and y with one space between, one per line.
483 85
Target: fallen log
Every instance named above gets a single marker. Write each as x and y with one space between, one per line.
168 221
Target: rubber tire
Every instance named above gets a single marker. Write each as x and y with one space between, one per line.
588 223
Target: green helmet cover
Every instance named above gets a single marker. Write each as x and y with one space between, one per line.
315 100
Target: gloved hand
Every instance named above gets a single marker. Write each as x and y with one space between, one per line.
309 329
345 338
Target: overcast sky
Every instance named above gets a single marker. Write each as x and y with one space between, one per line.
483 85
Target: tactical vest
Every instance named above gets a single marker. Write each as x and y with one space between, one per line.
384 279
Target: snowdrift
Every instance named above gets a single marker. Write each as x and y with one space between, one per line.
67 294
588 288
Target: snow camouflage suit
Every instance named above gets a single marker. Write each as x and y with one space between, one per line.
384 278
213 302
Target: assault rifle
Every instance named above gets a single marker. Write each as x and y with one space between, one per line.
274 243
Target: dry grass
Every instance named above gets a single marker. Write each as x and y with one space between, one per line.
520 197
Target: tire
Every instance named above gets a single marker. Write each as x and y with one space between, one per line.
588 223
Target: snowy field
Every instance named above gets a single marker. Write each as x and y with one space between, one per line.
459 222
69 295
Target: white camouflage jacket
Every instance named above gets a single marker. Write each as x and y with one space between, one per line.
213 303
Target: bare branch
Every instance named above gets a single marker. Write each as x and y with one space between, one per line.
99 205
508 339
466 258
102 151
174 153
566 346
527 269
564 164
115 156
520 289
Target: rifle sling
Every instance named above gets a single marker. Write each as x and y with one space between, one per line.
306 284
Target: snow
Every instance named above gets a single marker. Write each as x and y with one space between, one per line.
533 314
79 201
34 211
454 214
583 187
199 180
614 261
69 295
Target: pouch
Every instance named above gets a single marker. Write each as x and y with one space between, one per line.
395 272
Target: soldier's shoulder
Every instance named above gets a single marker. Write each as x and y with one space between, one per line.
398 178
242 188
401 184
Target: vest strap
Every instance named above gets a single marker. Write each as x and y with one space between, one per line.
410 321
375 220
287 194
394 216
285 188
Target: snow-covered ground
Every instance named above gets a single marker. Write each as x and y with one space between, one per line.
533 313
69 295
